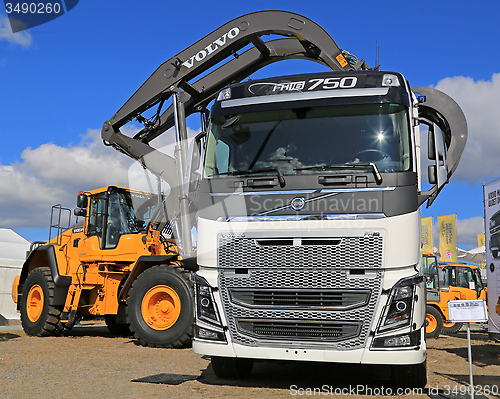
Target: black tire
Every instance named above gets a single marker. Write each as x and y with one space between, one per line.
177 283
233 368
39 289
453 328
120 330
409 376
432 315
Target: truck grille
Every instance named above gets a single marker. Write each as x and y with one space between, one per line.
300 298
299 330
285 252
308 292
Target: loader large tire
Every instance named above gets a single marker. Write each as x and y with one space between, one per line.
38 315
451 328
160 307
433 322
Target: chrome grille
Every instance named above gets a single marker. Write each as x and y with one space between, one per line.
296 279
305 252
299 330
300 298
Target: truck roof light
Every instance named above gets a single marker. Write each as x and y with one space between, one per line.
224 94
390 80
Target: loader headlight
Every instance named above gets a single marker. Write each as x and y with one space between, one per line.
398 311
206 308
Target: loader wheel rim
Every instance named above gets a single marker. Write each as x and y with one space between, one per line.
34 303
161 307
431 323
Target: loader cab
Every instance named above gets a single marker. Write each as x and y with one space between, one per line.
113 212
463 277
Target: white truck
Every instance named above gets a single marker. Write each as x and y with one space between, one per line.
306 206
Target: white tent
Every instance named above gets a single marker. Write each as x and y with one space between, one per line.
13 250
476 255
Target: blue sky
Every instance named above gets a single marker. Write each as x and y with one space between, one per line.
60 81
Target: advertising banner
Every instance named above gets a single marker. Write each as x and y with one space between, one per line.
448 238
480 240
426 235
492 241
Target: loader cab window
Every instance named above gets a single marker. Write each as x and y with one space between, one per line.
123 212
431 272
96 215
128 213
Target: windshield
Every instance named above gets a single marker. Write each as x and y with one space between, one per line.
303 140
130 212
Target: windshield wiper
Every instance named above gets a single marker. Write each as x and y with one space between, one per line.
279 173
358 165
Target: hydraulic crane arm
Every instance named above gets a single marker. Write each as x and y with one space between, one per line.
306 40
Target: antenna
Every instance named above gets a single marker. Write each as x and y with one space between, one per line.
377 56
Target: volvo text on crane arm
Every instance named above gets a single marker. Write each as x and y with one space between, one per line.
306 204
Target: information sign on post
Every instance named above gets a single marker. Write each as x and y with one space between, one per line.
464 311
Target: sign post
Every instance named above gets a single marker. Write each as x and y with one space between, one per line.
465 311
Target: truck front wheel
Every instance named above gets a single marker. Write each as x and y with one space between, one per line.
160 307
233 368
409 376
38 315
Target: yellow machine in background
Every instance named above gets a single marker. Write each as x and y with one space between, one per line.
116 264
445 283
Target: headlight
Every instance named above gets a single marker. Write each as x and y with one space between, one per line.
408 340
398 311
206 308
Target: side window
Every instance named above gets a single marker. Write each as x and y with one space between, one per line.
116 223
96 215
222 157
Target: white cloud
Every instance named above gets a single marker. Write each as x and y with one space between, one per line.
23 38
51 174
480 161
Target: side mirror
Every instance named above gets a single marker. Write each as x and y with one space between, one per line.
81 201
431 145
432 173
80 212
196 150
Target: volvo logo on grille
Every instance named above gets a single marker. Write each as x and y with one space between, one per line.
297 203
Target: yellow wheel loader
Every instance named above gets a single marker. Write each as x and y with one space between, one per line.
445 283
120 263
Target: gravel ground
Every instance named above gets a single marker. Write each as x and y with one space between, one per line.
90 363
